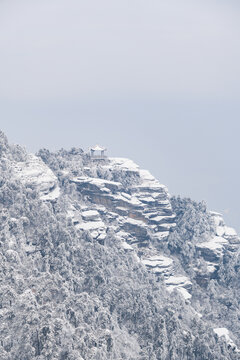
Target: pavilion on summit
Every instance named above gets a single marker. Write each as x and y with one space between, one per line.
97 152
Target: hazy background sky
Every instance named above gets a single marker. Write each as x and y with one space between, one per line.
156 81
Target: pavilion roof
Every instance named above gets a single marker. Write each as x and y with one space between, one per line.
98 148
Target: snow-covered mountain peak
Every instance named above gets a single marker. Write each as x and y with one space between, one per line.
99 262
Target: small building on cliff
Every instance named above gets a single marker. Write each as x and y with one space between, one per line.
97 152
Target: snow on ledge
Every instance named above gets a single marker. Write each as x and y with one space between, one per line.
216 243
225 332
178 281
158 261
53 195
124 163
92 225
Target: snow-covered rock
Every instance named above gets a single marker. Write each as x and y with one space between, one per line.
126 246
124 164
96 268
141 205
136 228
212 250
224 231
96 183
97 229
33 172
159 264
225 333
181 283
90 215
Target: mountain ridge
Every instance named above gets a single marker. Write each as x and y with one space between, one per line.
98 262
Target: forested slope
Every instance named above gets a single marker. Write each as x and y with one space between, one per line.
97 262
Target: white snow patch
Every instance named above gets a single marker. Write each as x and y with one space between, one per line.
100 183
124 163
92 225
34 172
132 200
215 213
147 199
127 196
225 332
161 235
158 264
167 226
126 246
181 284
178 281
184 293
122 234
158 260
101 236
53 195
90 215
211 268
148 180
159 218
220 230
146 175
218 219
216 243
181 290
221 332
135 222
229 231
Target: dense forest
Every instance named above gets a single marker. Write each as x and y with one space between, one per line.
81 248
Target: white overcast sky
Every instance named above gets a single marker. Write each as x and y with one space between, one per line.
157 81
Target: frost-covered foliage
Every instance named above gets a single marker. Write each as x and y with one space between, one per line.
77 163
66 296
215 294
193 226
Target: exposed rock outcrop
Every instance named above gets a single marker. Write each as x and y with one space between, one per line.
33 172
143 206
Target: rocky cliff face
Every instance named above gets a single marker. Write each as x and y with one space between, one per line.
142 208
139 214
98 262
